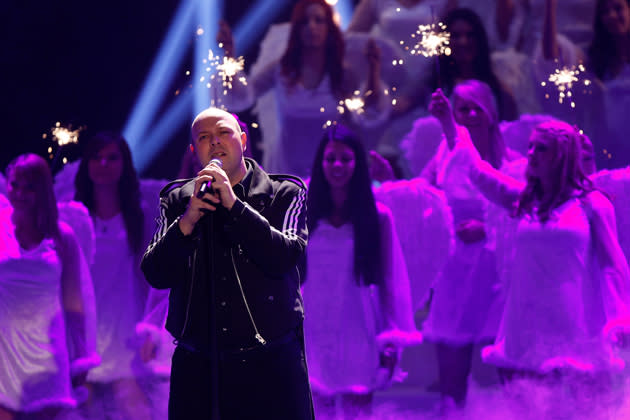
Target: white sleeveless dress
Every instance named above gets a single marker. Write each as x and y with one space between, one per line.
554 316
33 350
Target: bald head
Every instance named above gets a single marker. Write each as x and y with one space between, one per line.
216 134
215 113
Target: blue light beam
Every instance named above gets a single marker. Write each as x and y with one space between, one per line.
251 26
172 120
162 72
209 13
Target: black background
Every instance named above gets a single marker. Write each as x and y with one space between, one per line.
84 62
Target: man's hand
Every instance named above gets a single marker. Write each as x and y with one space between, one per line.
221 193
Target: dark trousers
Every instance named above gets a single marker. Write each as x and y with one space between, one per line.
267 382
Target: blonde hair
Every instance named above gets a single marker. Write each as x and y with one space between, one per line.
35 170
480 93
568 175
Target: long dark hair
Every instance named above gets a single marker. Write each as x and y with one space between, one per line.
128 186
569 177
291 61
35 170
482 65
360 205
602 52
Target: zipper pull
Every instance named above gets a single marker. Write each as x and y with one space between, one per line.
240 250
260 339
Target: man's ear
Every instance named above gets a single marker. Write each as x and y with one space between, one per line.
192 148
244 140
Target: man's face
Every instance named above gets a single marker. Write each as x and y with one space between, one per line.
217 136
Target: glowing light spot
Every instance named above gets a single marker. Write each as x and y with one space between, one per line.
564 78
255 125
200 31
63 136
322 109
433 40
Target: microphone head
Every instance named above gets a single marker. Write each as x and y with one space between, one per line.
216 161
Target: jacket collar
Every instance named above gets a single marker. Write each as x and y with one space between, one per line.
256 184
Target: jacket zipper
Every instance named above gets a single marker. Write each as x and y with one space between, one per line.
257 336
192 280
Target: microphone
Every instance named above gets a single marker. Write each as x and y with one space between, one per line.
207 187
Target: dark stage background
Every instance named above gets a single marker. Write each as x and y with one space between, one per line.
83 63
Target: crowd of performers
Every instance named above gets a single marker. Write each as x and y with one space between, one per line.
465 187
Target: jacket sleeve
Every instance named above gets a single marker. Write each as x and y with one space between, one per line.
167 257
275 249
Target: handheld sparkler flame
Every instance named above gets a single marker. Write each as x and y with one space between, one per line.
229 68
64 136
564 79
221 68
433 40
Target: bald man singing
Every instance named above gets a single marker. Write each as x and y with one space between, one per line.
229 245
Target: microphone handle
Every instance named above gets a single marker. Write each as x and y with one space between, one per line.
206 187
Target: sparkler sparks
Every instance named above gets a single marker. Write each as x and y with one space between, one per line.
64 136
564 79
223 68
433 40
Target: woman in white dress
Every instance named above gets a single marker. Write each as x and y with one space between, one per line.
308 82
467 302
44 345
568 294
106 182
356 293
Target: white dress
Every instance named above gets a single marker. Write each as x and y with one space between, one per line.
34 358
567 289
424 225
554 315
346 325
467 301
117 285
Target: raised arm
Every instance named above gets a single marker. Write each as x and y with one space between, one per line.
550 31
169 253
497 187
613 265
364 17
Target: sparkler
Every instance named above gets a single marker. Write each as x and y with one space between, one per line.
62 136
433 40
224 69
564 79
355 104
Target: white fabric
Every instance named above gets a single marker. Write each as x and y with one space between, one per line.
616 184
117 284
3 185
346 325
424 226
294 121
557 308
467 300
34 358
